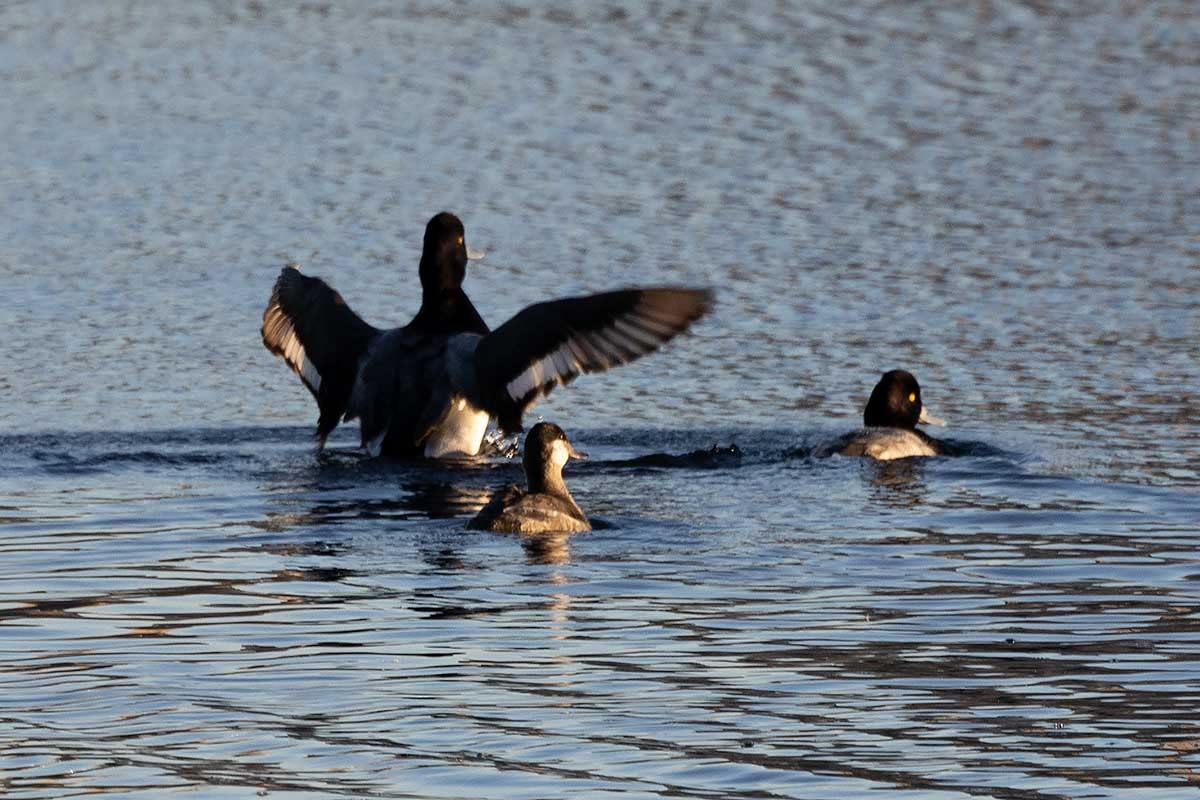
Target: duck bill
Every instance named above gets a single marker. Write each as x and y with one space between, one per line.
929 419
573 453
475 255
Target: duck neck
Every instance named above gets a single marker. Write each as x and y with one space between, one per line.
439 274
448 310
550 481
441 299
544 476
547 482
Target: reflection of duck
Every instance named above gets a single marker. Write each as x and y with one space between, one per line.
545 505
897 482
419 499
444 500
552 547
890 419
430 387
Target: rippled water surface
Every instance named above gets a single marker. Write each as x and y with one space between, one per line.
1000 196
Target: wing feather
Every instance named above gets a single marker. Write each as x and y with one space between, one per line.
309 326
638 336
551 343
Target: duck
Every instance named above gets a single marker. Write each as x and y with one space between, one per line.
890 422
431 387
544 505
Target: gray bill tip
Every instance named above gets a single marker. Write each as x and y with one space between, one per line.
927 418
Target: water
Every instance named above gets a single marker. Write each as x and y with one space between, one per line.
999 196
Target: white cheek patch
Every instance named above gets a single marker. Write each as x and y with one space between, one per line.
559 453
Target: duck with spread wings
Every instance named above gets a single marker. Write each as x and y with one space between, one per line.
430 387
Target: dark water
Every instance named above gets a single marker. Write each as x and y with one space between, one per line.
1000 196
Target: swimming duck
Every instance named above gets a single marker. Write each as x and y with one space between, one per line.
431 386
545 505
891 417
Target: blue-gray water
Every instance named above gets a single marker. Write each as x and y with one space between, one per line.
1001 196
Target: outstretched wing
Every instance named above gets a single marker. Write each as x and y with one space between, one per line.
309 325
551 343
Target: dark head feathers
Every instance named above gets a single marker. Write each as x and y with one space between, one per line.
895 402
444 254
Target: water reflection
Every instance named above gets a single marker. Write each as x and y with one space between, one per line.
547 548
898 483
438 500
433 499
698 661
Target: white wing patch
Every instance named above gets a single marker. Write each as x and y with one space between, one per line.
283 339
625 338
556 366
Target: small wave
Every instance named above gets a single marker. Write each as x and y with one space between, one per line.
715 457
66 463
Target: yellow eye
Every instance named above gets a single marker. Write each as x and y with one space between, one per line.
912 397
460 240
